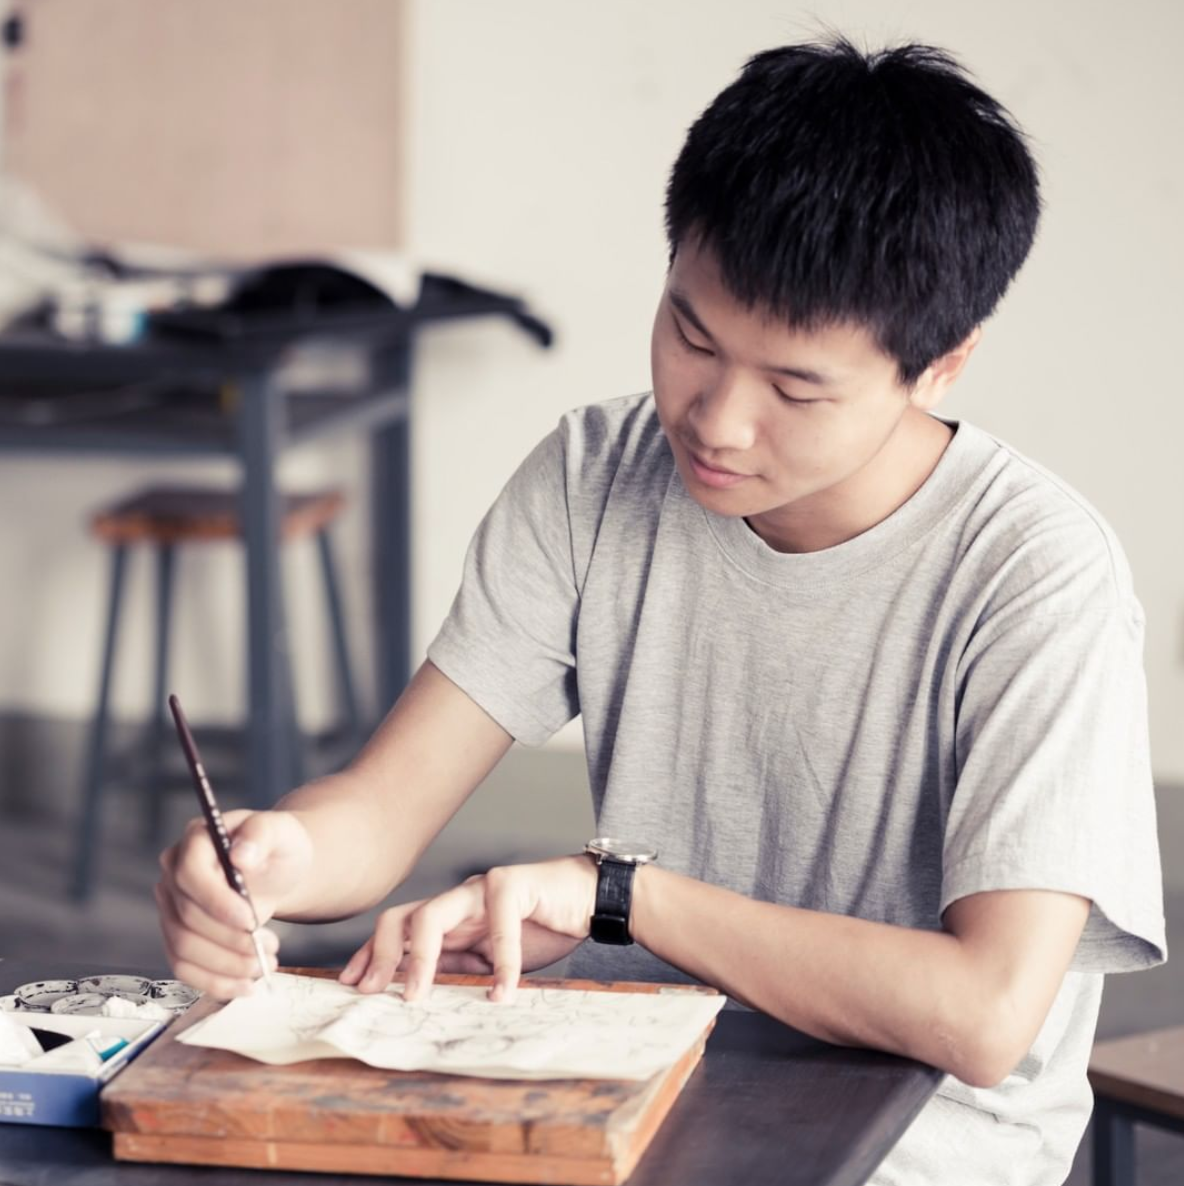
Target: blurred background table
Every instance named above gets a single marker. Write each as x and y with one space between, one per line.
218 391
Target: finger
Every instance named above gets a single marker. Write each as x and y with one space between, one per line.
505 911
470 963
356 964
254 840
196 948
194 918
386 949
427 929
207 966
221 988
195 871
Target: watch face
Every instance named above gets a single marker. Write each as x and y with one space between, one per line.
621 850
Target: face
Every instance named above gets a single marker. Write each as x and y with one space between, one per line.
807 434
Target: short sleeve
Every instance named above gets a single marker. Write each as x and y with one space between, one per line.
1054 787
509 639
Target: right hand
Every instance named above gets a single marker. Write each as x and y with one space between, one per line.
206 924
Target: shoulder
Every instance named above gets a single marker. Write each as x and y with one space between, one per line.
1034 539
612 433
614 448
602 455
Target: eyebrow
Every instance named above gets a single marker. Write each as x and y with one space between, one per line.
684 306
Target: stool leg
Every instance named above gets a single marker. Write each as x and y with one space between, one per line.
87 839
154 784
297 764
1113 1147
345 676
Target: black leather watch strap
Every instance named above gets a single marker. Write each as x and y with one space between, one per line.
614 897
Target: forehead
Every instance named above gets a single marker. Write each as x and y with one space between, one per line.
755 334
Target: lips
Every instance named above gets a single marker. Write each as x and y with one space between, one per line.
709 475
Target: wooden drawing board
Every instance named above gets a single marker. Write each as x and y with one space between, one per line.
193 1105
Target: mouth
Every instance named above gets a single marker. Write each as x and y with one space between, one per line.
710 475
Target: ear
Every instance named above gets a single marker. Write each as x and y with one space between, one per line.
940 374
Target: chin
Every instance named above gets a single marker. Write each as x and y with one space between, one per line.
727 503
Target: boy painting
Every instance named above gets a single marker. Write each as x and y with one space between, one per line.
868 680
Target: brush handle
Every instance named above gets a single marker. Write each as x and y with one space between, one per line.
209 805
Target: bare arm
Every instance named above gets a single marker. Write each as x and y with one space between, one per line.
371 823
969 999
334 847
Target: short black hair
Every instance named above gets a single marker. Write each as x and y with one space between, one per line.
882 189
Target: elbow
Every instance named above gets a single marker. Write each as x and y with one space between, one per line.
988 1048
986 1068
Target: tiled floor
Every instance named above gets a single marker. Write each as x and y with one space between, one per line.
118 927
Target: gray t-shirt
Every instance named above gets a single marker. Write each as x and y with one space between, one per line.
949 703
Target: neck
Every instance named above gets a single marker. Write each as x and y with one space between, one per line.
832 516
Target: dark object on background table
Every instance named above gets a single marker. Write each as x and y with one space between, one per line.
280 299
301 297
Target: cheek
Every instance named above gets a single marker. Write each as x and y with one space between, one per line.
675 375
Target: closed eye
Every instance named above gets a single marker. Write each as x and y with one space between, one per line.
790 399
682 337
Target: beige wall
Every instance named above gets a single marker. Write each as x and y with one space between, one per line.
540 135
242 128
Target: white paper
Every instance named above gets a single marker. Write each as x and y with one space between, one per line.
544 1033
18 1044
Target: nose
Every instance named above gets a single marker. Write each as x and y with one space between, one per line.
723 416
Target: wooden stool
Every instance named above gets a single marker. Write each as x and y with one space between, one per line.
1137 1080
165 517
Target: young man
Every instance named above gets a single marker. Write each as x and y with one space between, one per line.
868 680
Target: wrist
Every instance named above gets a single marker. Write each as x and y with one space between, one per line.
617 862
641 915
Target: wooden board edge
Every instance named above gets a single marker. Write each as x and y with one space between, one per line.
367 1159
472 978
668 1090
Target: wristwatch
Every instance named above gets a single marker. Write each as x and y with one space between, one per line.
617 861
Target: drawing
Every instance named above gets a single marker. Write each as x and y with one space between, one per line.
543 1033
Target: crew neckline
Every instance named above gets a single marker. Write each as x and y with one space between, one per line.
967 454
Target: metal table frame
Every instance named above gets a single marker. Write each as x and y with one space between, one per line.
1114 1138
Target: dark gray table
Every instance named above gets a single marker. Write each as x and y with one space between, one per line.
255 423
767 1105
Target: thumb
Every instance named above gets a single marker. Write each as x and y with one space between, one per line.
252 838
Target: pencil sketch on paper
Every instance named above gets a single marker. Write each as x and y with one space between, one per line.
544 1033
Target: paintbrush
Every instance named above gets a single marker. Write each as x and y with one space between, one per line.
217 828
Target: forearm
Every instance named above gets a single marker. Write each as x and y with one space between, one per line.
356 858
370 823
926 994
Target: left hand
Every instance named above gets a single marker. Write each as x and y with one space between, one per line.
512 919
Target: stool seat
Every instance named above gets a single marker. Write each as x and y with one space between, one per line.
181 514
1139 1079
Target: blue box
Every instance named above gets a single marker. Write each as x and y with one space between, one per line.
65 1098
